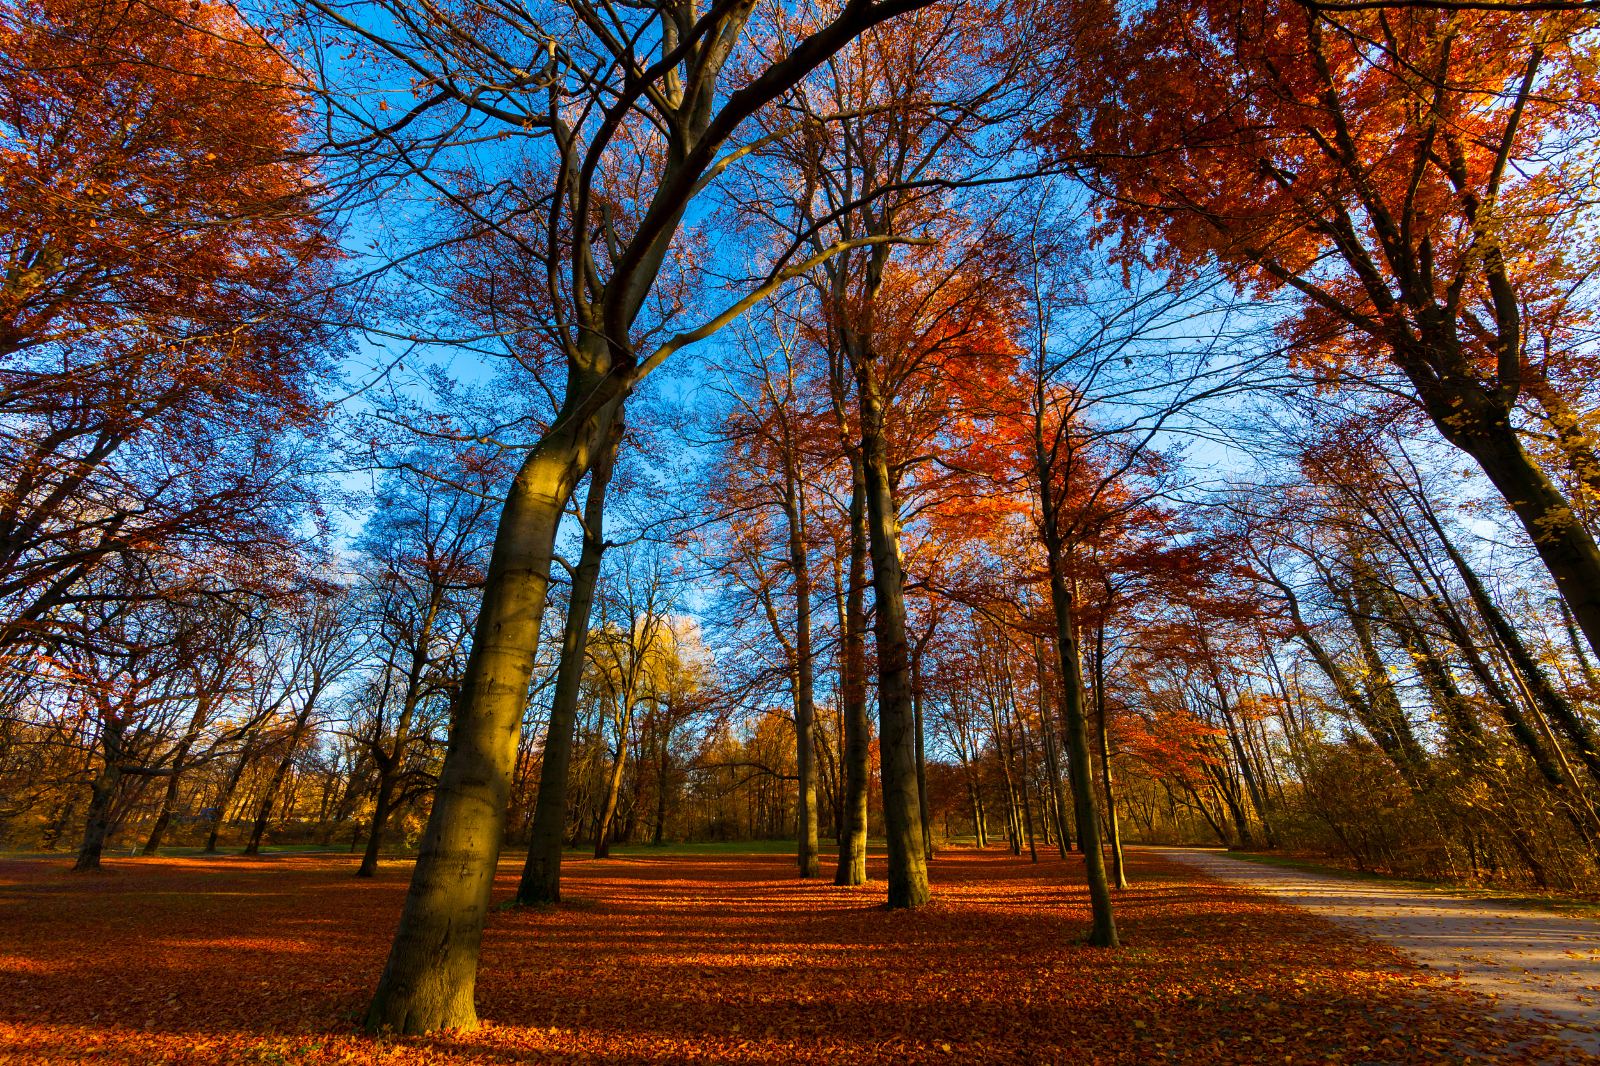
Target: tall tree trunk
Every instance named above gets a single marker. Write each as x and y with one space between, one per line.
1119 873
1027 780
429 979
1058 803
897 742
663 768
541 873
853 694
1005 752
922 754
808 849
1104 930
608 809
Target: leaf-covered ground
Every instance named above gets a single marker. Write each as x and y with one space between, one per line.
715 958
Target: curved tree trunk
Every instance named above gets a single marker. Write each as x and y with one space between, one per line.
226 798
1119 873
380 818
169 799
608 809
264 813
541 873
429 980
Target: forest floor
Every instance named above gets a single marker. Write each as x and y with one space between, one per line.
724 958
1533 961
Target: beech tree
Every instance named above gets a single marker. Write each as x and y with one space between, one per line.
779 451
625 116
165 276
915 102
1417 177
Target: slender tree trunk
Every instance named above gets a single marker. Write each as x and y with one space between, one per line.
1005 752
380 818
269 798
608 810
169 799
1104 931
392 763
1027 781
1058 803
922 755
430 977
541 873
897 743
663 768
226 798
1579 733
808 850
1119 874
853 694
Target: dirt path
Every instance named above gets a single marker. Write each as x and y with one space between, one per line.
1535 963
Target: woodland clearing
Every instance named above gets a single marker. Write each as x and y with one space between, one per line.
720 957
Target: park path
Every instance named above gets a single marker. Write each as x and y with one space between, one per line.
1534 963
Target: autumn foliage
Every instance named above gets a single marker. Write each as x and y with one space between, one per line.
670 958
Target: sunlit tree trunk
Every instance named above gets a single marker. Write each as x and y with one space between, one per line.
1104 930
897 743
541 873
1027 779
1058 801
608 809
429 980
922 754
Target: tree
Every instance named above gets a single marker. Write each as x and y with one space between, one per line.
165 278
1419 178
778 451
628 113
915 99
